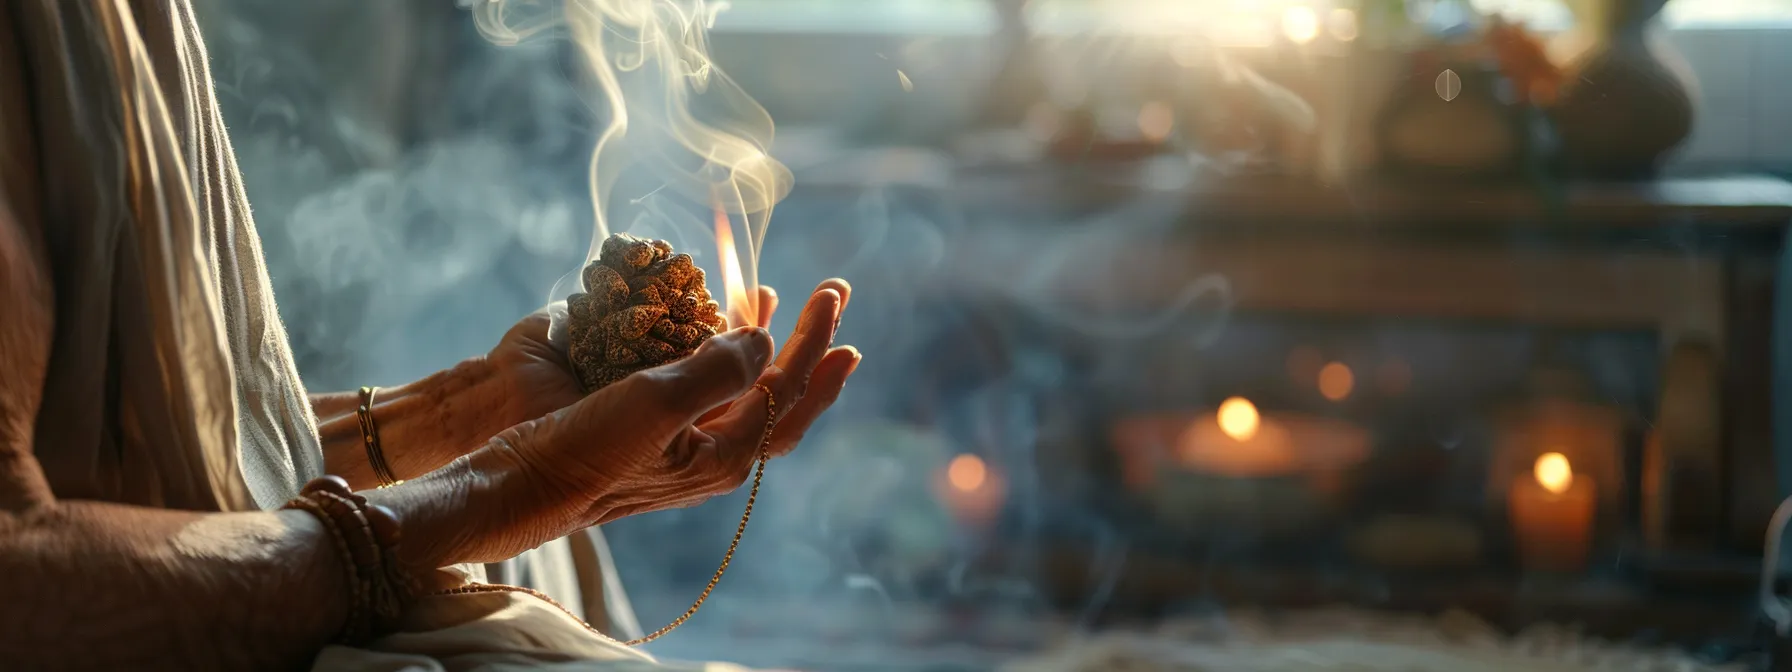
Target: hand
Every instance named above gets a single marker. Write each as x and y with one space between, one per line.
673 435
535 374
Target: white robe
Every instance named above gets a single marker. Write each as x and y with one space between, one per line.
170 379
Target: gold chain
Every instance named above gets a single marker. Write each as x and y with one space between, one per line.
765 455
765 448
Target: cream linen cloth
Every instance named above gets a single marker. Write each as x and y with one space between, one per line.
170 381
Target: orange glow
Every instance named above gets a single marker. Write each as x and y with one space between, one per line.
1238 418
1155 121
1554 473
966 472
739 305
1300 23
1336 381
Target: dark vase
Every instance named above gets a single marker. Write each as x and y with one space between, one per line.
1627 99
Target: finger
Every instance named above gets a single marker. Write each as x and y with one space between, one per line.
676 394
824 388
739 430
767 304
841 286
810 340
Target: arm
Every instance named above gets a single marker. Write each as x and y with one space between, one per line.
108 586
83 582
89 584
423 424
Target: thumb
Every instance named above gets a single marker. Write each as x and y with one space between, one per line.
559 327
721 370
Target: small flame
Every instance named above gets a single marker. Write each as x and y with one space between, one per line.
1554 473
1300 23
1238 418
739 303
1336 381
966 472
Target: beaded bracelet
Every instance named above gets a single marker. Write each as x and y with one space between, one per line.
366 537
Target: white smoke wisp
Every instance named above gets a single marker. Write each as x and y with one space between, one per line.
670 112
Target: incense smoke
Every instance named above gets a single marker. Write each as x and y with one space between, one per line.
418 192
672 116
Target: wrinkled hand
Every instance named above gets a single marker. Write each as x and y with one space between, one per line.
536 374
679 434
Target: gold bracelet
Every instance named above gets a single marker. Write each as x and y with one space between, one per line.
370 436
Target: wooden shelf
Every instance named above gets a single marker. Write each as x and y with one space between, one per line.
1734 204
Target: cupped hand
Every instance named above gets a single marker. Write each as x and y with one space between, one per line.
679 434
536 374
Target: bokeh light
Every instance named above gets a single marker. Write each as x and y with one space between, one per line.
1336 381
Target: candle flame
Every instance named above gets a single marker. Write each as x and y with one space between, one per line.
1300 23
1238 418
738 303
966 472
1554 473
1336 381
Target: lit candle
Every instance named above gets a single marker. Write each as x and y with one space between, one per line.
970 490
1237 441
1552 515
1240 442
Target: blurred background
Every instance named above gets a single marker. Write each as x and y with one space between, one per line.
1169 308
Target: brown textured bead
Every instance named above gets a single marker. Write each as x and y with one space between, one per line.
678 271
364 536
329 483
643 306
620 354
385 524
649 295
627 254
607 289
633 322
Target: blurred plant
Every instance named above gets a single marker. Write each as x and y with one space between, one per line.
1523 59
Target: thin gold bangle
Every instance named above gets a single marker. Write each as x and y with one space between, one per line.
370 437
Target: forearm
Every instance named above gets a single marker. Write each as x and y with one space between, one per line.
433 412
107 586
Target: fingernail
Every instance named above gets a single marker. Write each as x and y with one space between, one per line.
759 343
747 337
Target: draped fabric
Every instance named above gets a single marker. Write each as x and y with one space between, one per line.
170 381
